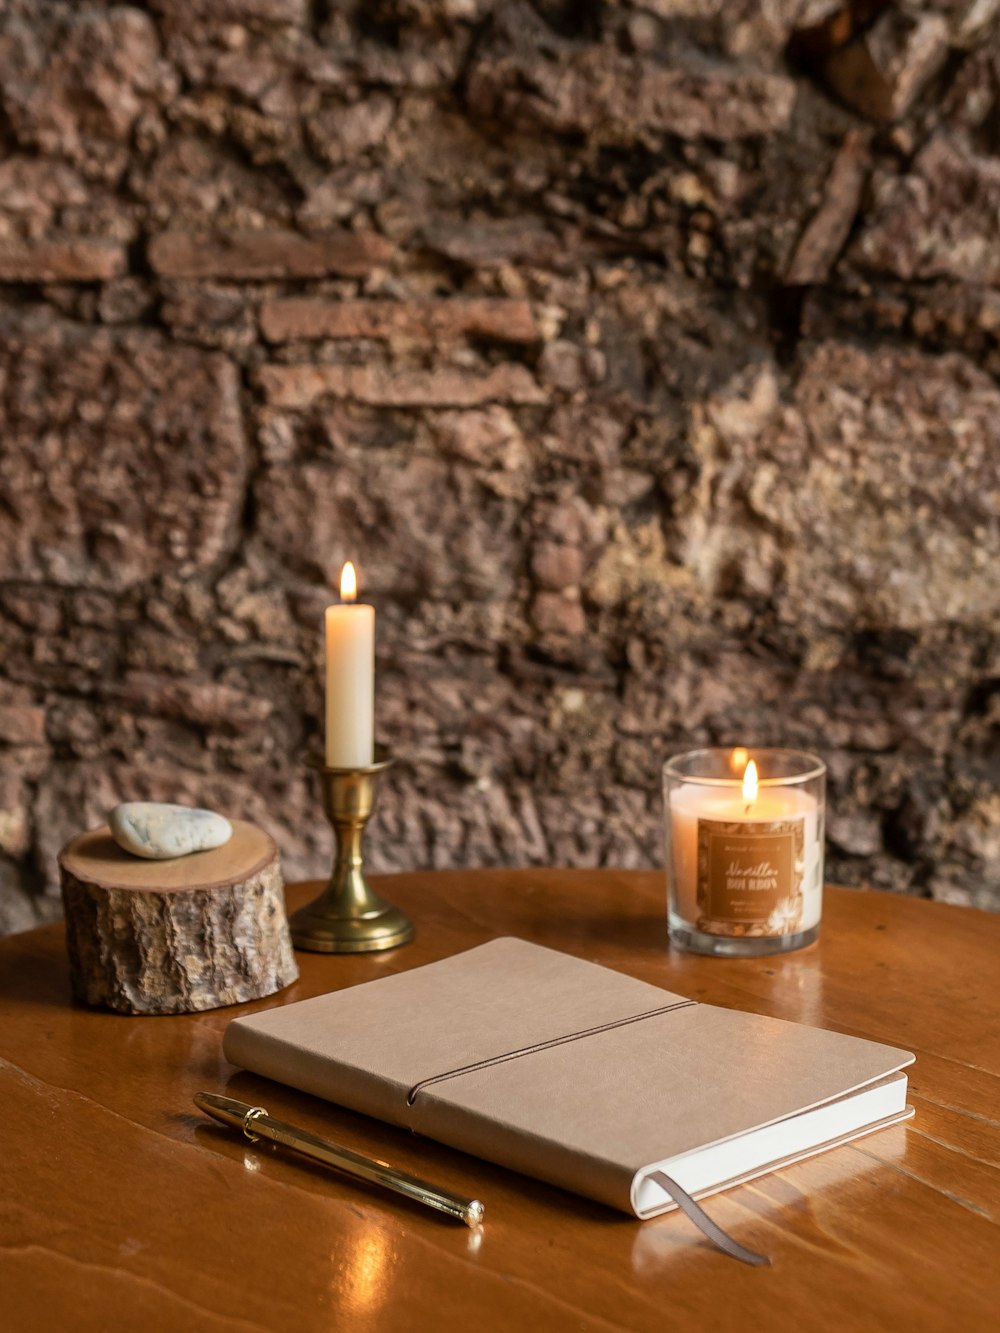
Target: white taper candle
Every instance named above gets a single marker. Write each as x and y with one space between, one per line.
350 678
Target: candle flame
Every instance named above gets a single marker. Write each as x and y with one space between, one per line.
750 782
348 583
738 759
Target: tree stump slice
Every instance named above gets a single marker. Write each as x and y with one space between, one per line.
175 937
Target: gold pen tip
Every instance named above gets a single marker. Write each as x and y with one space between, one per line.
473 1214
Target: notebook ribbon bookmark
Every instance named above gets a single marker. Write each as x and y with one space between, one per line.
719 1238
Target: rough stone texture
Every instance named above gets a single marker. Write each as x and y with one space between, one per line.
77 79
266 254
643 356
121 454
530 79
939 219
877 57
385 386
828 229
54 260
819 503
417 321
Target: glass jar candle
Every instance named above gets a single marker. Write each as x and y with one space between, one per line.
744 849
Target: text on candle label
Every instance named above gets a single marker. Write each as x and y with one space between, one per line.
750 873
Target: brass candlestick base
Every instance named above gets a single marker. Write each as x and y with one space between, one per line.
348 917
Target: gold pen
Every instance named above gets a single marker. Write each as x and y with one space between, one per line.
255 1123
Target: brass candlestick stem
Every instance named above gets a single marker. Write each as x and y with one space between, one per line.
348 916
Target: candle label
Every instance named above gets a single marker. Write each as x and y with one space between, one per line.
750 876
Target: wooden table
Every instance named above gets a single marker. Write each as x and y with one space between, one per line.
122 1208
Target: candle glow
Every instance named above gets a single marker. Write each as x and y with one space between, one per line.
750 784
348 583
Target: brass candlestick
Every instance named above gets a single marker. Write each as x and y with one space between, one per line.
348 917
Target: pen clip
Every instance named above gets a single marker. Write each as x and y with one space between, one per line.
254 1113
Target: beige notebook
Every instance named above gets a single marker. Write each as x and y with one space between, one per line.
578 1075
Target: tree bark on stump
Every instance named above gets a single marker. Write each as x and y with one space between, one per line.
173 937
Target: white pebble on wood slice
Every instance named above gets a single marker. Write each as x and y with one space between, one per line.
159 831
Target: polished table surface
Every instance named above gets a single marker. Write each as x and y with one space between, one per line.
121 1207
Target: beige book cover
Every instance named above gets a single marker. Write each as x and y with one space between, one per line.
577 1074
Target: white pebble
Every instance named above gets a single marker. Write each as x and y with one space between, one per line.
159 831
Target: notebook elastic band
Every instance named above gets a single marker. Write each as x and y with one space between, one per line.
542 1046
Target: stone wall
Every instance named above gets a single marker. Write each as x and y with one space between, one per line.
643 355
